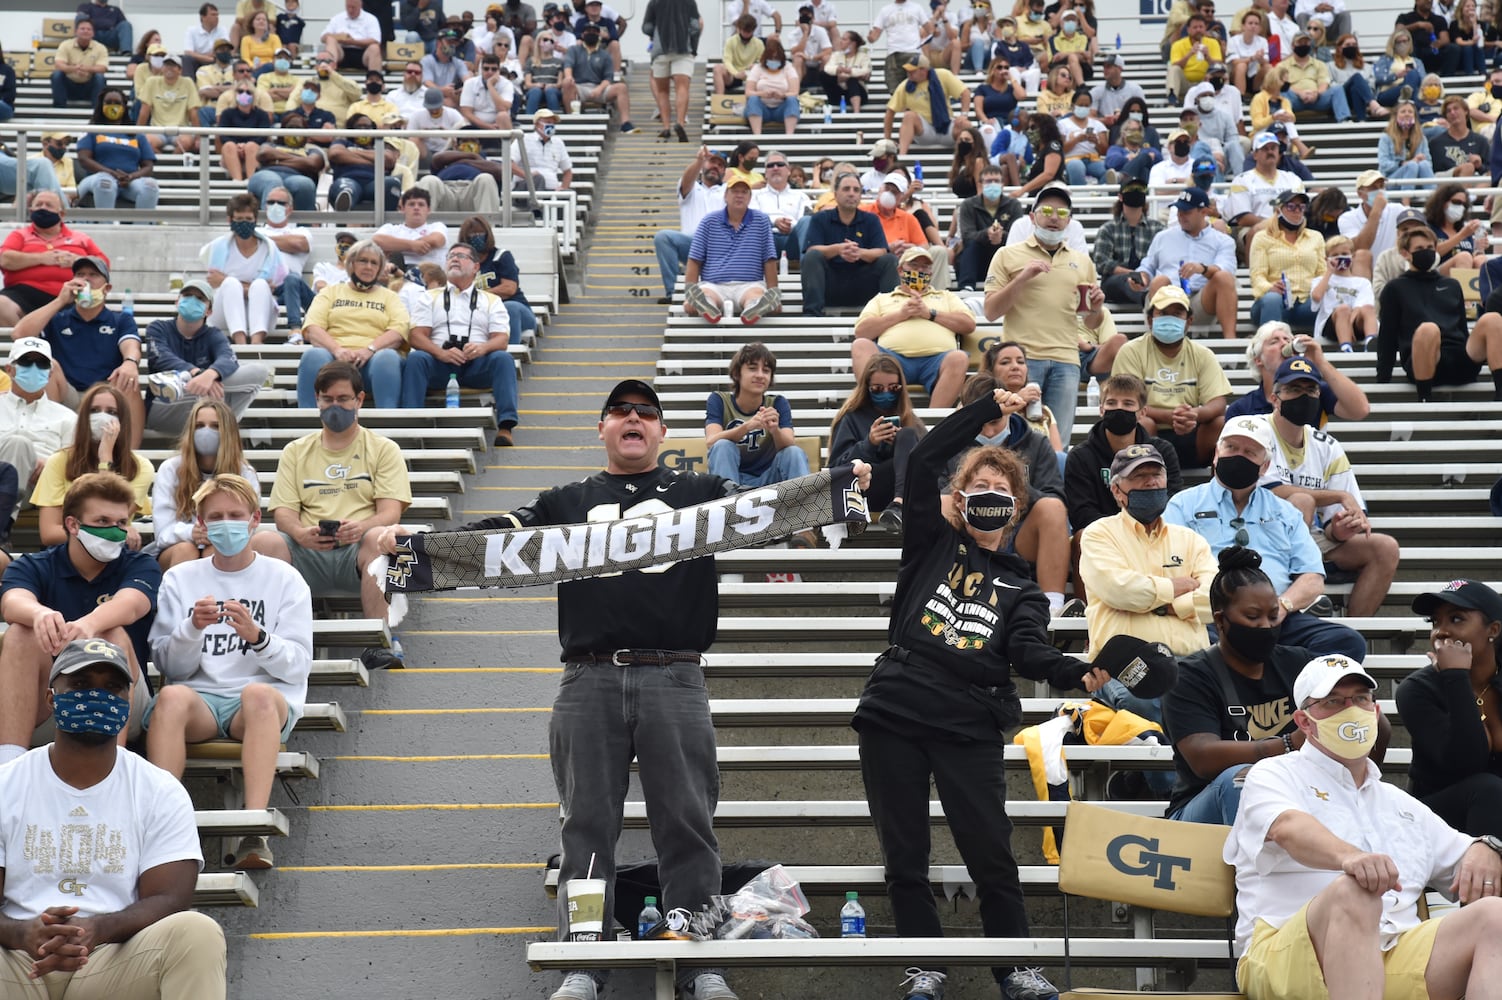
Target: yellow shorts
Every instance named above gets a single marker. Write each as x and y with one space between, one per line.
1280 962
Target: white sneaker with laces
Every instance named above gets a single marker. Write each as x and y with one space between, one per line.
709 986
577 986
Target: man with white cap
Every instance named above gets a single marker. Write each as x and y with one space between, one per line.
1249 204
1372 223
32 426
732 261
547 156
918 325
1231 509
924 104
119 916
1331 862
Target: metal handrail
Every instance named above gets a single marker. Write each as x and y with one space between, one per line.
21 130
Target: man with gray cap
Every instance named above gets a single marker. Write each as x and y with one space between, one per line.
113 920
1111 94
1331 862
89 587
633 646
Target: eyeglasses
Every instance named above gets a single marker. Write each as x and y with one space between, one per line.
1050 212
1337 702
1295 206
277 201
889 387
1239 523
645 411
344 401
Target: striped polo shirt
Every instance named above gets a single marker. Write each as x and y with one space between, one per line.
729 253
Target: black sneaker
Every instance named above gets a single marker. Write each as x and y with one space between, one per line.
1073 608
379 658
891 519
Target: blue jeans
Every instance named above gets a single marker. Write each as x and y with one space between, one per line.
494 371
363 191
1077 170
605 715
521 319
1413 169
980 45
756 108
39 174
725 462
6 111
1120 697
1060 382
672 255
304 190
120 38
207 118
536 95
1388 96
1271 307
65 90
1332 100
1359 95
295 296
382 373
141 192
1218 801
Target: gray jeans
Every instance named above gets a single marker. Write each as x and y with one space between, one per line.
240 390
603 716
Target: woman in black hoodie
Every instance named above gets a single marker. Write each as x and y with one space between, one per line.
965 615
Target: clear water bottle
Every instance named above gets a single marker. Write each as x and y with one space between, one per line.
451 394
852 917
842 105
1092 393
782 265
1118 41
648 918
128 304
828 114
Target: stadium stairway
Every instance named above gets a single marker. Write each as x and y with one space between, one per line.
415 865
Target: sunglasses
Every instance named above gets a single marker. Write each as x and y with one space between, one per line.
646 411
1239 523
1050 212
890 387
779 163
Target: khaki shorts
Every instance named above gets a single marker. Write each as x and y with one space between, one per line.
665 65
1280 962
1326 544
327 572
927 136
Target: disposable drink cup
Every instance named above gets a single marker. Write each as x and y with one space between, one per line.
1084 303
574 106
176 282
586 908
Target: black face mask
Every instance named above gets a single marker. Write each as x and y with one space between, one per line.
44 218
1237 472
590 38
1302 410
1290 226
374 87
1252 644
1350 52
805 19
1181 148
1216 83
1134 198
1423 260
1301 50
1119 421
988 510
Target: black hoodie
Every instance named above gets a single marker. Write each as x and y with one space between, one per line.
1087 475
1411 298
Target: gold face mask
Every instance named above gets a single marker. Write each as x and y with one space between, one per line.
918 281
1350 733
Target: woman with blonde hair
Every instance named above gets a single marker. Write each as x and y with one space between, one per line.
101 443
1397 68
1402 151
209 445
1270 106
1057 97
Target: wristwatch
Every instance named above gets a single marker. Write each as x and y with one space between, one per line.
1494 843
933 315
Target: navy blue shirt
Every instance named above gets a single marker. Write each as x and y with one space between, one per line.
826 227
170 351
502 267
52 578
89 350
1255 403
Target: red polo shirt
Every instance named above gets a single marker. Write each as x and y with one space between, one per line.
46 277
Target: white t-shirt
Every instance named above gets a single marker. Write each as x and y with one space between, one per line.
295 261
1343 291
195 39
330 272
1239 48
46 424
1353 220
1168 174
237 265
699 202
816 39
363 27
470 315
902 23
168 526
448 118
789 203
1321 464
476 96
403 232
759 9
216 660
550 159
1070 126
97 840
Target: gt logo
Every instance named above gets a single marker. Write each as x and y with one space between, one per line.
1353 732
677 460
98 647
72 886
336 471
1149 862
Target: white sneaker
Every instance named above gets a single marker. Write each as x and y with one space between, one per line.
709 986
577 986
166 386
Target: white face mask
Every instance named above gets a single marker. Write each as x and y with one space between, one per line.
276 213
1049 237
887 200
1455 213
1206 105
99 422
101 549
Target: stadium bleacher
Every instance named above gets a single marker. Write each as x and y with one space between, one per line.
798 630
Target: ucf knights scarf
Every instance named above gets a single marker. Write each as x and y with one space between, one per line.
525 557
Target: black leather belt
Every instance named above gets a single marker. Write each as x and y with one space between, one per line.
643 657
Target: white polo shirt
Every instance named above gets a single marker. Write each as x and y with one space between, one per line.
789 203
470 315
1377 816
549 158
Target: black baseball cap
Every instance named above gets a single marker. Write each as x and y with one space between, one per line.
1148 669
631 386
1471 594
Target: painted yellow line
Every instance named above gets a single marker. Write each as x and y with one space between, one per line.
445 711
440 758
425 933
478 867
436 807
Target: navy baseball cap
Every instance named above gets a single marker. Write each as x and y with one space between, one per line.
1295 368
1191 199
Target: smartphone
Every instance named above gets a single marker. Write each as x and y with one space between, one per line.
894 421
329 528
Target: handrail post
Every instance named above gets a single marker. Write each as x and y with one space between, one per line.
380 180
21 175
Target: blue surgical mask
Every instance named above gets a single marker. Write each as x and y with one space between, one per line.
995 440
774 64
310 97
1169 329
229 538
32 378
1070 27
206 440
885 400
94 710
276 212
1082 111
1371 198
192 308
991 192
281 65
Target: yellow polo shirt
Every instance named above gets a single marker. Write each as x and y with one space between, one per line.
52 485
919 99
336 94
1301 262
1311 76
1043 319
1189 378
1128 570
70 52
919 337
170 103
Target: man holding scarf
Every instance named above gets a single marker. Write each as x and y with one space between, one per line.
924 103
